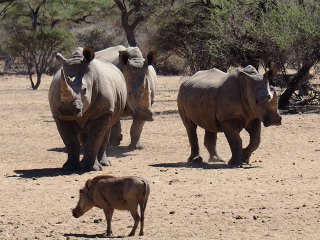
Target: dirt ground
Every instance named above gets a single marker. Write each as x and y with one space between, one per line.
278 197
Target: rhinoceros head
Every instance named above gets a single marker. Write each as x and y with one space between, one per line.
76 82
135 70
262 100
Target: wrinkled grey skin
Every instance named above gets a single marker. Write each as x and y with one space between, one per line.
222 102
109 193
86 97
141 85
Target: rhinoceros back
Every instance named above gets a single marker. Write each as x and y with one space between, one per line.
198 98
110 54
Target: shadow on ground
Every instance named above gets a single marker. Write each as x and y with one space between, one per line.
42 172
112 151
89 236
202 165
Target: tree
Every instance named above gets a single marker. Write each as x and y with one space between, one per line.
37 50
237 33
133 12
39 29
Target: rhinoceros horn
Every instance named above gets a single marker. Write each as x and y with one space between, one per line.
67 94
145 96
274 101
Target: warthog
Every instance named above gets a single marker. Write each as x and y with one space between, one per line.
109 193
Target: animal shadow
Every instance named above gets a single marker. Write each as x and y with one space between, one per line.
57 149
119 151
202 165
42 172
88 236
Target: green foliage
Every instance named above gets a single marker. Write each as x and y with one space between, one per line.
232 33
38 49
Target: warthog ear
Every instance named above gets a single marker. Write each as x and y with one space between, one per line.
88 54
88 183
151 57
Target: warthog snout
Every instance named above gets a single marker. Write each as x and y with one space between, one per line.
76 213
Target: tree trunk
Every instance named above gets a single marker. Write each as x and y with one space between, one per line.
130 36
295 83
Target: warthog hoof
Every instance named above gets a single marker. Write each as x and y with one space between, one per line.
197 159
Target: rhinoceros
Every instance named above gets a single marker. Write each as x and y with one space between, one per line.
227 102
86 97
141 78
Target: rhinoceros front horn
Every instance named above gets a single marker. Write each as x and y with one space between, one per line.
67 94
274 101
145 97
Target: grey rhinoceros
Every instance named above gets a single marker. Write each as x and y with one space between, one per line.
223 102
86 97
141 78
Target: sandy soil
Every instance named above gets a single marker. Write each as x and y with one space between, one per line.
276 198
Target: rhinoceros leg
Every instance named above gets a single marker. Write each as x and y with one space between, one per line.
102 155
210 141
95 140
254 130
232 133
193 140
70 139
115 136
135 133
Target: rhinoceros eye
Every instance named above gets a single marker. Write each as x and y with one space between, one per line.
84 90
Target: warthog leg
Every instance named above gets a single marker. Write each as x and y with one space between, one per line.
136 217
108 212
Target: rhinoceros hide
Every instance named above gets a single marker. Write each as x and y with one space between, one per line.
227 102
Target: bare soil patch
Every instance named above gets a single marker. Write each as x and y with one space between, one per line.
276 198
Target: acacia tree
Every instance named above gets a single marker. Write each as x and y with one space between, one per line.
39 29
133 12
238 33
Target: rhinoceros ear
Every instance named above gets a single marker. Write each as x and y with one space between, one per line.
272 71
88 54
151 57
123 57
61 58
